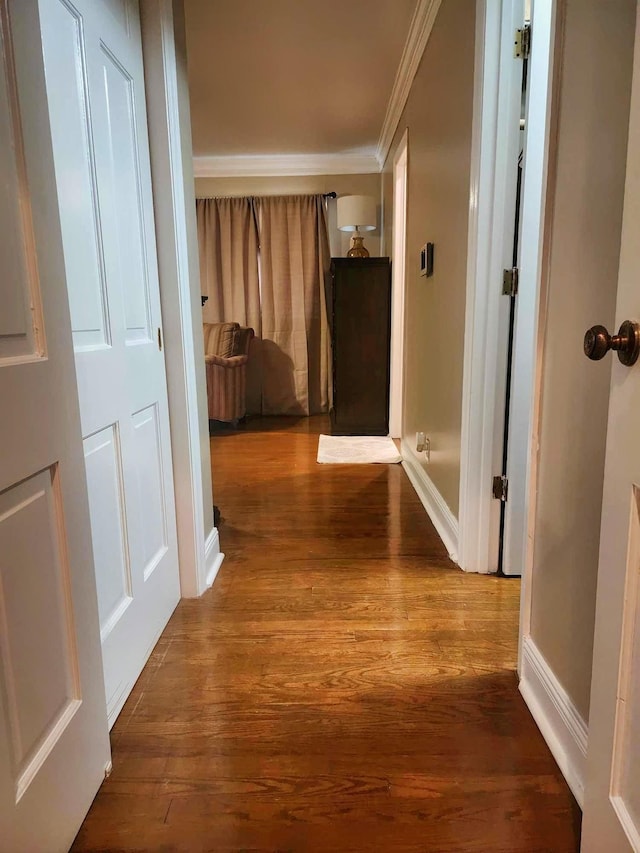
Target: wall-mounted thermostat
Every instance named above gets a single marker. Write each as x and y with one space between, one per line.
426 260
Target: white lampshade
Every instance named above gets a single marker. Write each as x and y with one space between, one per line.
357 213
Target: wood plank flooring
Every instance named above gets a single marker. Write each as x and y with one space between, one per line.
342 687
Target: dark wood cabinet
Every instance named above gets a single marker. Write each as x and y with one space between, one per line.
360 330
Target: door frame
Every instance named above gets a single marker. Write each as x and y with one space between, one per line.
398 285
540 154
489 253
164 49
492 203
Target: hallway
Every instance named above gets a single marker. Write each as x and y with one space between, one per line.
341 688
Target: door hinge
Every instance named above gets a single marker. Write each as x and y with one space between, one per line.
510 281
522 43
500 487
159 339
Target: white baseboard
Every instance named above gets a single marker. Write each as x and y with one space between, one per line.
441 516
562 727
213 557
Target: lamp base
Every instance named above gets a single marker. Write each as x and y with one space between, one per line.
357 250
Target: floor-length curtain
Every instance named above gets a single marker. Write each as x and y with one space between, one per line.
294 258
228 247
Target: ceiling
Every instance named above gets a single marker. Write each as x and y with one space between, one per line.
270 77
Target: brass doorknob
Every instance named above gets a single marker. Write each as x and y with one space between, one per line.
598 342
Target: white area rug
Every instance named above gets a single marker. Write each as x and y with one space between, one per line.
357 449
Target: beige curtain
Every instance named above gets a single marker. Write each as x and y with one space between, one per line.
228 247
294 259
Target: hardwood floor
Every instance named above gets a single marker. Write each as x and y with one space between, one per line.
341 688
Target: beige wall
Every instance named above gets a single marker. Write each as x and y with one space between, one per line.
582 274
299 185
438 115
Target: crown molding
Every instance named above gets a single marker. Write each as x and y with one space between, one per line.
285 165
417 38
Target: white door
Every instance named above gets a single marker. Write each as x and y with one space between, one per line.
54 743
95 86
611 820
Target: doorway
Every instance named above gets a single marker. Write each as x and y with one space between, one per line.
510 290
496 146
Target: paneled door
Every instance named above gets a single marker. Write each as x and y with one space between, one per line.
95 87
54 743
612 792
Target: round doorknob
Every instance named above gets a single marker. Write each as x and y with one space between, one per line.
598 342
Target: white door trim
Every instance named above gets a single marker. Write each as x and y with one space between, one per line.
492 201
396 386
529 331
172 180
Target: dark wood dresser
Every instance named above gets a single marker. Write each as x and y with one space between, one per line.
360 330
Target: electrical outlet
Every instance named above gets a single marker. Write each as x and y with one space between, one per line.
421 442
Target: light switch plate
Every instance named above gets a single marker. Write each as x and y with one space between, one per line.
426 260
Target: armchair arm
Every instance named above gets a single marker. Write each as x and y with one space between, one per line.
232 361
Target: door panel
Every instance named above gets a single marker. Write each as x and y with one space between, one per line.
101 154
19 325
106 504
85 268
625 787
53 723
123 175
150 481
39 668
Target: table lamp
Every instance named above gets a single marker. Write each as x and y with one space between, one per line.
357 213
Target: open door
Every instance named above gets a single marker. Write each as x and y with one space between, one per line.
54 743
612 793
95 87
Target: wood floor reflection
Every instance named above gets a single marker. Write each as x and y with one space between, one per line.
342 687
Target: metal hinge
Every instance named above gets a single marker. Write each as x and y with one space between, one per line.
159 339
500 487
510 281
522 43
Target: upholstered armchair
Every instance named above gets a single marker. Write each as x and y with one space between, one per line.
226 348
